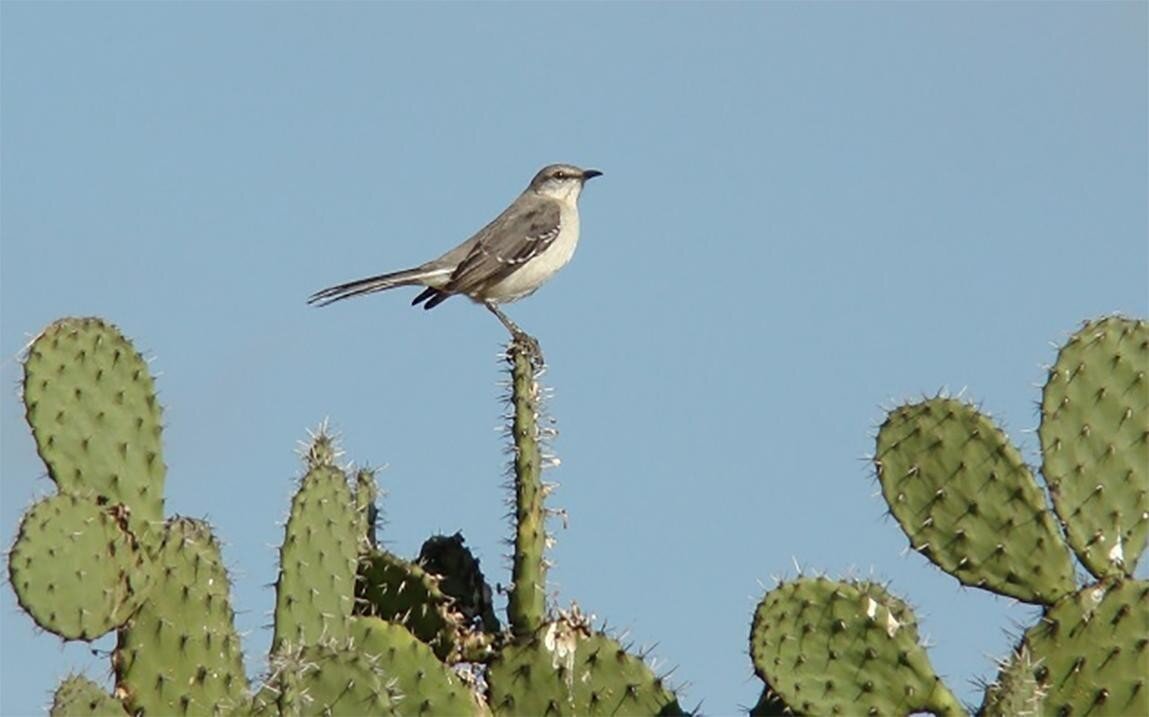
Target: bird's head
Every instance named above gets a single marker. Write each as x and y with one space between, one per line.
562 181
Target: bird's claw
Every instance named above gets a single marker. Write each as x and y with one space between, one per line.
529 346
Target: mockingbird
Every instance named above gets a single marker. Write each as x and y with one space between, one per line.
506 260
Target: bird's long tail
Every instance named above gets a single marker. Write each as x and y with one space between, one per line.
372 284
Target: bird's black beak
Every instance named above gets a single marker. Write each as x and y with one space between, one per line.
590 174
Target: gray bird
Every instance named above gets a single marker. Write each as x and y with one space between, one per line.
504 261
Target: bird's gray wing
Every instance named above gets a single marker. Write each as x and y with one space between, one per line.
522 232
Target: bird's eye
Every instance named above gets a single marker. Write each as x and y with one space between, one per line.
560 175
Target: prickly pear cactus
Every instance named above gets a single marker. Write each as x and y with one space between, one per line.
401 592
830 647
92 407
1016 692
367 505
1090 651
428 687
1095 443
567 669
526 608
966 500
315 592
77 568
181 654
99 556
329 681
77 696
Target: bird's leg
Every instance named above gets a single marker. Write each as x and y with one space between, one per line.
526 340
511 325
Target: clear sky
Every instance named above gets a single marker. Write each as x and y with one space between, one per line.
809 212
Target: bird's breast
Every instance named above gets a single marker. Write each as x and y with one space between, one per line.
538 270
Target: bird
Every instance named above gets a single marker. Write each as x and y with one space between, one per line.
508 259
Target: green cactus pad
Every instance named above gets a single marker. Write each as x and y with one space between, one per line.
92 407
77 696
398 591
1016 691
967 501
566 669
180 654
315 592
830 647
461 578
428 686
76 567
1095 442
326 681
1091 651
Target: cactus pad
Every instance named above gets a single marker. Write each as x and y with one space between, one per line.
76 567
829 647
92 407
1091 651
180 654
967 501
1016 691
566 669
398 591
77 696
315 592
428 686
1095 442
326 681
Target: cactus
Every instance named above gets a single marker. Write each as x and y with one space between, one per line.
567 669
428 686
367 505
77 569
769 704
1091 650
829 647
315 592
1016 692
526 607
1095 443
92 407
77 696
181 654
163 586
966 500
401 592
332 682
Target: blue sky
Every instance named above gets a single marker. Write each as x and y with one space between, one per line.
809 212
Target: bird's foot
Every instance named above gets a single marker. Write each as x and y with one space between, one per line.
528 345
525 343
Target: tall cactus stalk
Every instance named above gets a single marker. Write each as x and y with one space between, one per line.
526 607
